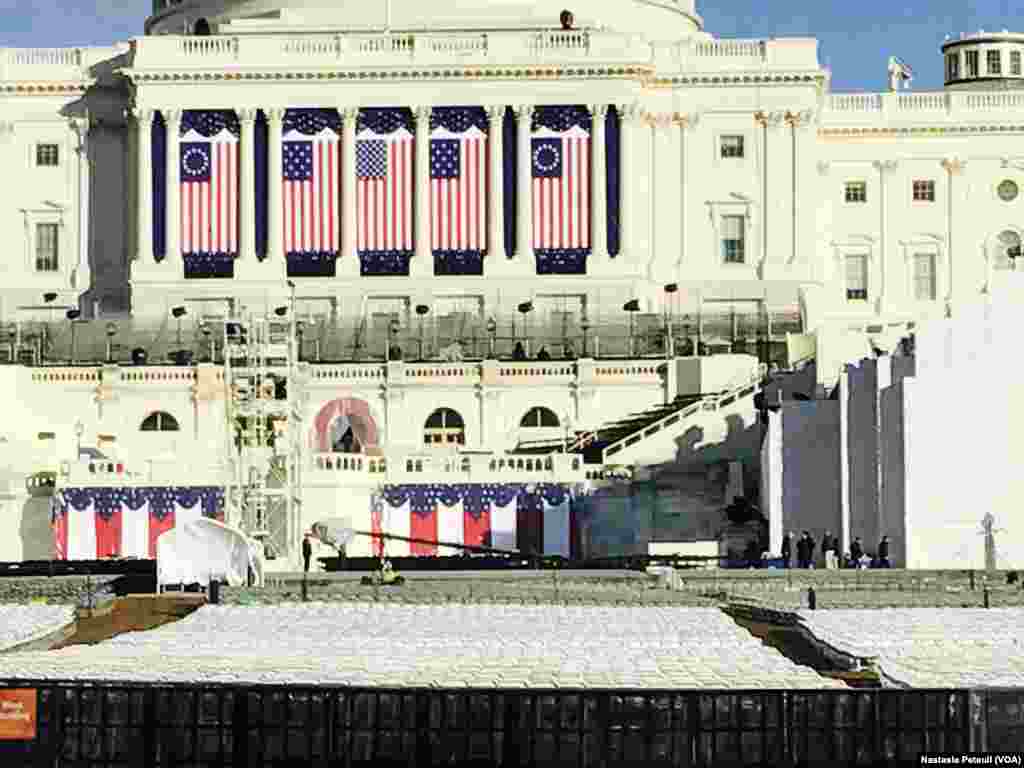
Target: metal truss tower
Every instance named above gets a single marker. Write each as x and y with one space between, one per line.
265 435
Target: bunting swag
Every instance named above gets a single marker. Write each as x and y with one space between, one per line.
311 170
209 192
158 168
503 516
509 148
96 523
384 179
560 162
458 189
261 138
612 165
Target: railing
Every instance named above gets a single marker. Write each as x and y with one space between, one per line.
423 467
747 49
561 41
945 105
252 724
750 384
209 46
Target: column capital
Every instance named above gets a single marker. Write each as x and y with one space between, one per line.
171 115
628 112
686 119
524 110
79 126
275 114
349 113
886 165
6 129
495 112
798 119
246 114
954 165
658 120
824 167
422 113
143 114
769 119
599 111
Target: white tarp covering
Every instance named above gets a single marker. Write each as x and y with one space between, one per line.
335 532
204 549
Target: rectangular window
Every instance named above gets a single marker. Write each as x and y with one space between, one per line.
47 155
1014 62
924 276
952 66
924 191
732 146
46 247
857 277
856 191
971 60
994 62
733 239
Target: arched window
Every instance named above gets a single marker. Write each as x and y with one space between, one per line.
201 28
1009 250
444 427
539 417
159 421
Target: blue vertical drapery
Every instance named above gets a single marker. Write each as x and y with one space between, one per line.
260 144
612 166
562 260
457 120
215 263
158 162
383 121
508 179
309 123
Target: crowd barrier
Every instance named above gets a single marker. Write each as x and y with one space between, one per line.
94 724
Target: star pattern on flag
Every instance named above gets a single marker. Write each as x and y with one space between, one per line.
458 119
561 118
310 122
384 120
195 162
209 122
444 158
371 159
298 160
547 158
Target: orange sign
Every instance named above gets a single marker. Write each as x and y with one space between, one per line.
17 714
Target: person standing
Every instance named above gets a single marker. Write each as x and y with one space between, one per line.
307 552
883 553
828 546
856 550
801 551
787 550
811 543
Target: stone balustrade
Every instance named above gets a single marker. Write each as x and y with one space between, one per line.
946 107
18 64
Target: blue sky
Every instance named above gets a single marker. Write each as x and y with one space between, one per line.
856 37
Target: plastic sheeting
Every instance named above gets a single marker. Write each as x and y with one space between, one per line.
203 550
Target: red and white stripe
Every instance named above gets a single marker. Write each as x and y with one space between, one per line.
209 209
384 212
311 207
561 206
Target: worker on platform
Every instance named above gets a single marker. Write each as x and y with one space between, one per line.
307 552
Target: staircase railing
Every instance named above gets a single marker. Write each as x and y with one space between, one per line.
748 384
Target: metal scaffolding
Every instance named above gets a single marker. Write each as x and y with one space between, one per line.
264 419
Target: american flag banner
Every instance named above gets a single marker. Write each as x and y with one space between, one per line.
311 182
504 516
385 170
209 182
97 523
458 180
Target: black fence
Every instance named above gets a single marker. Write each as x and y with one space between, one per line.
96 724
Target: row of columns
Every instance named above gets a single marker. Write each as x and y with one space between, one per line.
422 264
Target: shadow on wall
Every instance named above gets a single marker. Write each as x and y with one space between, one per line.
741 442
35 532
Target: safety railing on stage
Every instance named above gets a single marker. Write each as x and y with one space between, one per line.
94 723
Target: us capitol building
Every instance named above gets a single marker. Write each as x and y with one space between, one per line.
393 259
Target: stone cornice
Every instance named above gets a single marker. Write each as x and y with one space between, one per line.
43 89
920 130
737 78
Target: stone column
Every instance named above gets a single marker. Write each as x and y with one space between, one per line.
685 123
144 185
81 128
524 197
599 181
172 117
628 114
423 262
954 167
275 210
348 261
884 168
495 198
247 186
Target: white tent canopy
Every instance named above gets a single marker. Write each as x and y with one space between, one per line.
204 550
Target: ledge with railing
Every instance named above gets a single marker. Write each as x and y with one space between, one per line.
939 106
34 64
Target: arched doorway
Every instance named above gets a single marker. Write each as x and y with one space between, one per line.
345 425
